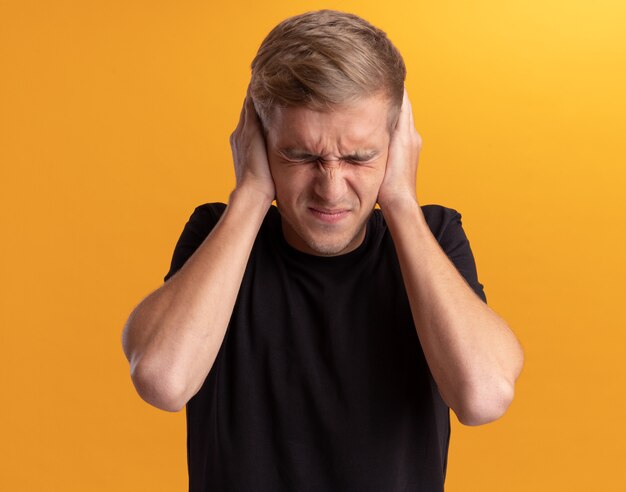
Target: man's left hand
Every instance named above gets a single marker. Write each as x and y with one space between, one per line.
401 171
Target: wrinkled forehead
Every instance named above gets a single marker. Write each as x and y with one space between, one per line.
268 113
353 122
355 126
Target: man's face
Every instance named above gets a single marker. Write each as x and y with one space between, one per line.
327 168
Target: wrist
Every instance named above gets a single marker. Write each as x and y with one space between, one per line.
401 211
399 201
250 198
252 194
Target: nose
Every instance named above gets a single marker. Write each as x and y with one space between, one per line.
330 182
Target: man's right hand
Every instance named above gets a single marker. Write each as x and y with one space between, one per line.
247 142
173 336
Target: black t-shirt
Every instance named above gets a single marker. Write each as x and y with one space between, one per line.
321 383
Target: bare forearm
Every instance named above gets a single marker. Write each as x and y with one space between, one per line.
173 336
473 355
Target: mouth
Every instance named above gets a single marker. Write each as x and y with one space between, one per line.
329 216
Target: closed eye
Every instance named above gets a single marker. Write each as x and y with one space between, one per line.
359 162
317 160
297 156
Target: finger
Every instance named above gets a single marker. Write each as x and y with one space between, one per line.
249 111
398 124
250 102
406 104
242 113
251 114
419 140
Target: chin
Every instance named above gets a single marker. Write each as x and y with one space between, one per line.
325 248
322 240
331 243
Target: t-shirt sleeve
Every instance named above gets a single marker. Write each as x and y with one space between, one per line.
447 227
197 228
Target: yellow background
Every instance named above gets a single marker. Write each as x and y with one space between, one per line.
114 124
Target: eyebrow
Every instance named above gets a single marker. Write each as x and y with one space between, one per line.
357 155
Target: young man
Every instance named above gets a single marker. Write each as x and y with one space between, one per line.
319 345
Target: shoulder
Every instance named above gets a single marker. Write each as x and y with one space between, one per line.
212 210
204 217
446 225
197 228
441 219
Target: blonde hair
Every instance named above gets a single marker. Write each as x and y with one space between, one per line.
325 58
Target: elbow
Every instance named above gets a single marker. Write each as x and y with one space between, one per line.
488 399
485 404
152 379
157 389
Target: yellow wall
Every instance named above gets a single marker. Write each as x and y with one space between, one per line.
114 124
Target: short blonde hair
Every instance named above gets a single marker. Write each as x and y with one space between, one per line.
325 58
